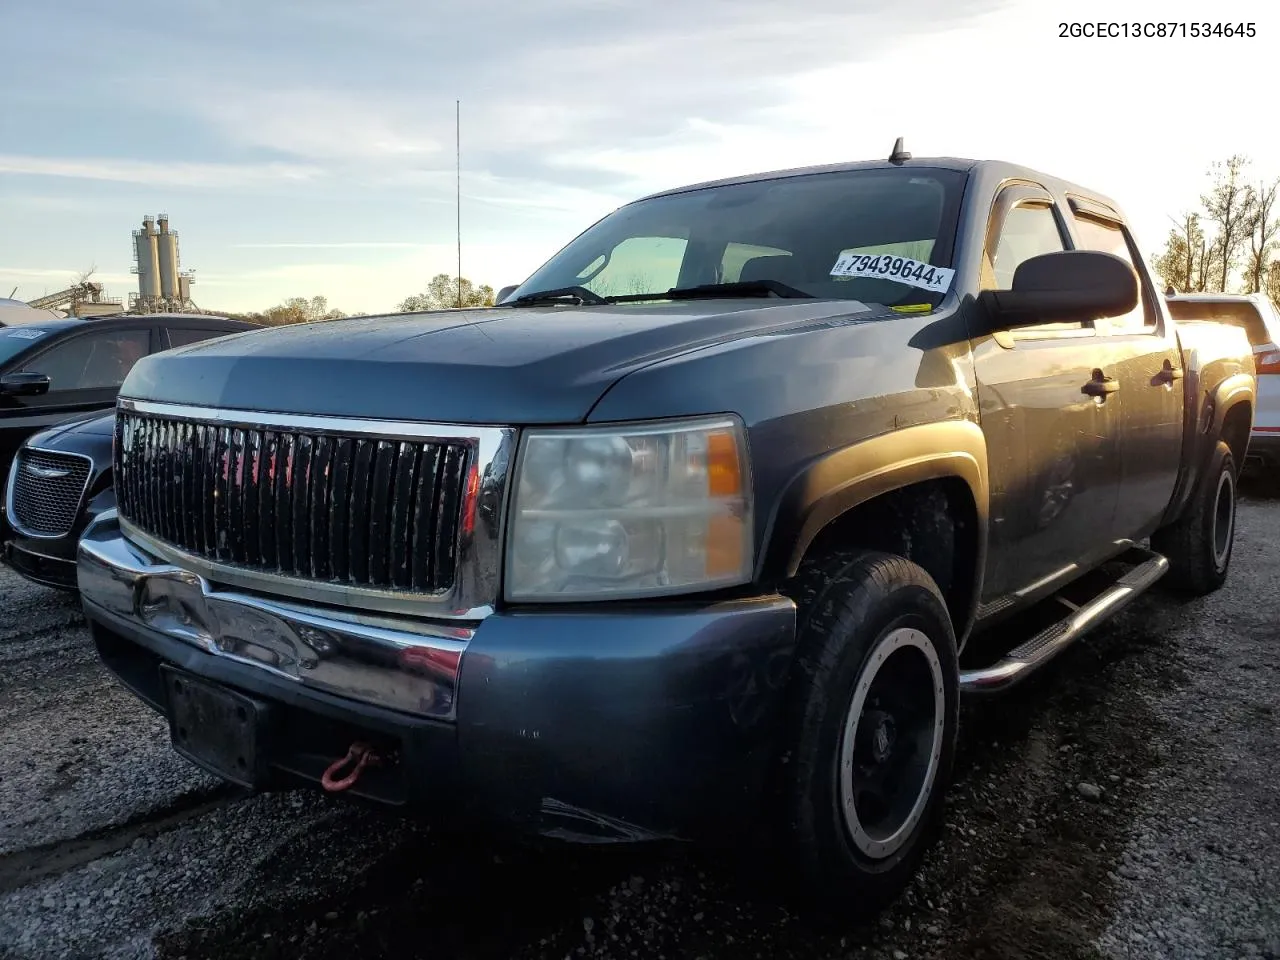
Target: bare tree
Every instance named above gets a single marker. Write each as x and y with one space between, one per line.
1182 264
445 292
1229 206
295 310
1262 234
1273 283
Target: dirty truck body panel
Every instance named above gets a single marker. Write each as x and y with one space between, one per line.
362 562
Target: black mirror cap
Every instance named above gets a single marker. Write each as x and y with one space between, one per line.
1062 286
505 292
24 384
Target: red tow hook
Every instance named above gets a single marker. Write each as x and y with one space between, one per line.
362 754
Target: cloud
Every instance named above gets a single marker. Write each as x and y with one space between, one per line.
319 124
61 276
152 173
552 77
33 201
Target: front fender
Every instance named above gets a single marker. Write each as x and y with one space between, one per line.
841 479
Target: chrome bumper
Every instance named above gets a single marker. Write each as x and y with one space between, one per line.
403 664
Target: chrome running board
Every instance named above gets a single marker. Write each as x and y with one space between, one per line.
1024 659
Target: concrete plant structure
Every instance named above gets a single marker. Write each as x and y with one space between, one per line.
84 299
161 285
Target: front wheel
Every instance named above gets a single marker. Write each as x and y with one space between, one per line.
1198 545
874 717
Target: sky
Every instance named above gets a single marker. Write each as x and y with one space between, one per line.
306 147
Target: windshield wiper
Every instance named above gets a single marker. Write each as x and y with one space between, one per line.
745 288
574 295
706 291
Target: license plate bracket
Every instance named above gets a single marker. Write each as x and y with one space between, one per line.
215 728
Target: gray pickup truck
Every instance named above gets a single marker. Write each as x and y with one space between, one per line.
708 525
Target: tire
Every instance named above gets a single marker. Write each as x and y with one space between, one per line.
1198 545
876 656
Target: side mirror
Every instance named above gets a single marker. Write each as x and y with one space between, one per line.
1062 286
24 384
505 292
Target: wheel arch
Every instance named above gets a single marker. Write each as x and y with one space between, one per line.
890 493
1225 413
1237 424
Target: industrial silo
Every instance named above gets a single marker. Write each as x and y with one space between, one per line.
148 255
167 245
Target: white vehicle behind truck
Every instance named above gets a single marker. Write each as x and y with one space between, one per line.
1258 317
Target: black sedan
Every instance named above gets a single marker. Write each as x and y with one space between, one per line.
53 370
59 481
57 379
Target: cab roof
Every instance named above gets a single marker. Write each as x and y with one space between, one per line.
999 169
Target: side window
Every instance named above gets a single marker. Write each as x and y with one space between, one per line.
636 265
1112 238
182 336
1029 230
97 360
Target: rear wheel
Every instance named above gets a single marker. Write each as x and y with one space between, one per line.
1199 544
874 716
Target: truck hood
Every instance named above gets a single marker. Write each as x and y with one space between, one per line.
492 365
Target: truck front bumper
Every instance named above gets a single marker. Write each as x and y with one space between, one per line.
590 724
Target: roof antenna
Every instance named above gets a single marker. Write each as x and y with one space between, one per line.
898 155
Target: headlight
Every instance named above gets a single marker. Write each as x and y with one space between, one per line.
606 513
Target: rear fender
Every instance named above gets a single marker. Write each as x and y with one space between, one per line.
1205 426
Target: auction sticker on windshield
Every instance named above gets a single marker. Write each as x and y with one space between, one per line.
27 334
888 267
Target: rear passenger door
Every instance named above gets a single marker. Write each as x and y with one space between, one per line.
1145 362
1053 448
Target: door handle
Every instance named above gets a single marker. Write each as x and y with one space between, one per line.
1169 373
1101 386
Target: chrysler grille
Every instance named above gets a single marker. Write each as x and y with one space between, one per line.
47 488
356 510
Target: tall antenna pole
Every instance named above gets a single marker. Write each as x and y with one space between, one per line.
457 104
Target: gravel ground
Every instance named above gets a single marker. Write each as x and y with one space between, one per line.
1123 804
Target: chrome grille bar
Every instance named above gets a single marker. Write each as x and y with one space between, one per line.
350 509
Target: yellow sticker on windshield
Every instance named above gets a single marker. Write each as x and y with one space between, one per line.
913 308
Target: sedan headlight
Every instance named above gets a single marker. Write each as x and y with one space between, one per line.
643 511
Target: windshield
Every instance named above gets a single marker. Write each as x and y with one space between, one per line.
14 340
878 235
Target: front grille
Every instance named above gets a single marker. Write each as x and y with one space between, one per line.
47 489
346 509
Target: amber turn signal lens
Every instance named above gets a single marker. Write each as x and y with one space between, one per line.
724 472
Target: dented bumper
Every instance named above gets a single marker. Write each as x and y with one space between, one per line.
591 724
